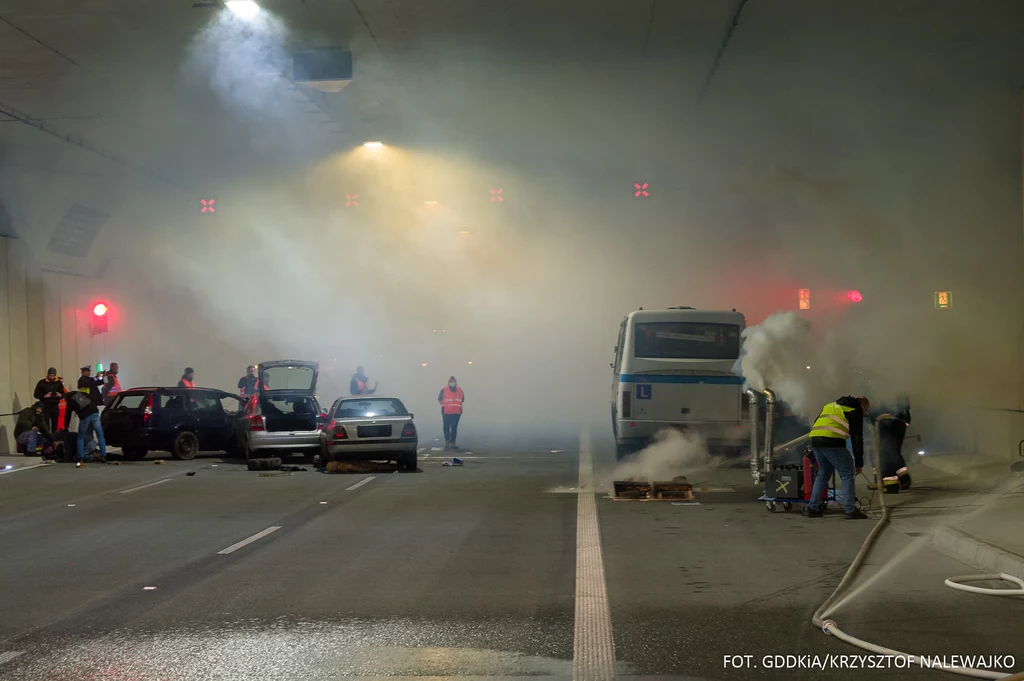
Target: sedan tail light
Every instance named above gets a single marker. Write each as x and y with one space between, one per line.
339 433
409 430
256 423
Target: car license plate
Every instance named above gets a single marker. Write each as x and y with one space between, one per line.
374 431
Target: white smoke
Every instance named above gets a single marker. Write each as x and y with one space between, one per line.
672 454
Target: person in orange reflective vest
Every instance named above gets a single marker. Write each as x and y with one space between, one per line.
111 386
359 385
451 399
188 378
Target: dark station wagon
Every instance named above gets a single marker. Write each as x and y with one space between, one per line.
182 421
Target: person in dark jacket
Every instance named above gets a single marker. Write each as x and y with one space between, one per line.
83 406
892 429
248 385
91 386
838 422
50 391
33 429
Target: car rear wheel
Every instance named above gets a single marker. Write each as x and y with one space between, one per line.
134 453
186 446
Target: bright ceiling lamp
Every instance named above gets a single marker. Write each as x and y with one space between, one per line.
373 145
246 9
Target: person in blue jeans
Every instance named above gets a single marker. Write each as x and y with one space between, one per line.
88 414
838 422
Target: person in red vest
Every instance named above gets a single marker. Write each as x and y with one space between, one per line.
188 378
451 399
111 386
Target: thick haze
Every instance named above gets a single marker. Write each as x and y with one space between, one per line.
893 169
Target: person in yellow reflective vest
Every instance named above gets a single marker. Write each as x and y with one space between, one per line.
838 422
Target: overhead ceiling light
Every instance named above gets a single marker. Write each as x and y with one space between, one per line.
246 9
373 145
431 203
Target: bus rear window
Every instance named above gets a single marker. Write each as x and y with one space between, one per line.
686 340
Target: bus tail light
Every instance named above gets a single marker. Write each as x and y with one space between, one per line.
627 405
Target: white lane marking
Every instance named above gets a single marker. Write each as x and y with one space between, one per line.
10 655
360 483
246 542
420 450
149 588
593 657
23 468
148 484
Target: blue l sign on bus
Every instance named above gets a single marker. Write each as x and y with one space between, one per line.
643 391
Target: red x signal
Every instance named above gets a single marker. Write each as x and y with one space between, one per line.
351 200
496 196
641 190
207 205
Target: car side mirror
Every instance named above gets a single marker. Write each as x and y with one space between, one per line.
412 416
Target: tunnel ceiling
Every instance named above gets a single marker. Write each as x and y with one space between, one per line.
99 89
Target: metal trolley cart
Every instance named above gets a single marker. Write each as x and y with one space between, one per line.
791 484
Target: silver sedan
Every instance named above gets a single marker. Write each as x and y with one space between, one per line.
369 429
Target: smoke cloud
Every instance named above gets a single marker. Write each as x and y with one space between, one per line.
671 455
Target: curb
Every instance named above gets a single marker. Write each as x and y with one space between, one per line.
969 549
980 471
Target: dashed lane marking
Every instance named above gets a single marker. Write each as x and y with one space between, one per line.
10 655
360 483
148 484
246 542
593 657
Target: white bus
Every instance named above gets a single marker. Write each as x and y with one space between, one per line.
674 369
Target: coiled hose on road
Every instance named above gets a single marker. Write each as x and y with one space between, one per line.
830 627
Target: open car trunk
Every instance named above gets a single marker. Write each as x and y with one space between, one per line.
288 411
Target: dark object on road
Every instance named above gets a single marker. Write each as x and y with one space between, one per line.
294 469
631 489
176 420
679 489
190 473
267 464
454 462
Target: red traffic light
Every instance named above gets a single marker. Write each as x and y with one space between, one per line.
99 318
855 296
100 309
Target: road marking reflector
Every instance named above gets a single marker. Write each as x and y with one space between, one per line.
149 484
360 483
246 542
149 588
23 468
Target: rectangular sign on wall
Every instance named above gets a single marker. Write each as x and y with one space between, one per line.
805 298
943 300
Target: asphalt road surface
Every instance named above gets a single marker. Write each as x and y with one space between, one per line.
499 568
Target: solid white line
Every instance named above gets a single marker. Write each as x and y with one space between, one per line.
24 468
149 484
246 542
420 450
593 657
10 655
360 483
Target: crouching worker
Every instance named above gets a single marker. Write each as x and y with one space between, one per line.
88 414
838 421
33 430
892 430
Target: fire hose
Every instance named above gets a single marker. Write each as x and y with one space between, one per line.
832 629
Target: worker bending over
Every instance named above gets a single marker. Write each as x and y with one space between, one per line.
892 429
838 421
451 399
